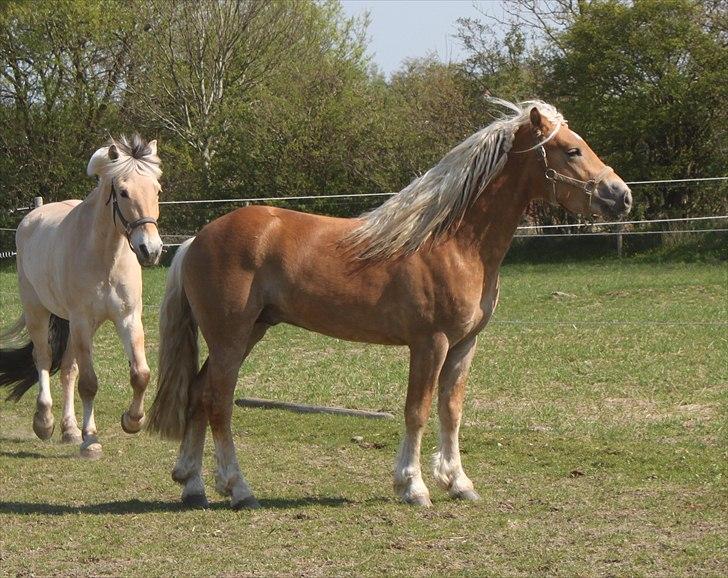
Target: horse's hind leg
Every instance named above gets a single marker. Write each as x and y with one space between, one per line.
447 467
426 360
81 343
131 332
188 469
223 366
36 320
70 432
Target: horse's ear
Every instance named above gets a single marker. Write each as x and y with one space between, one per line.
98 161
153 146
535 118
113 152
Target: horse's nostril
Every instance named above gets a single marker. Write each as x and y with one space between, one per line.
144 251
627 199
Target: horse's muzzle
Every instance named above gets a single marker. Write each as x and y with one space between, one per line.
614 198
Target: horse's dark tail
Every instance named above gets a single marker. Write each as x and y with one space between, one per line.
17 366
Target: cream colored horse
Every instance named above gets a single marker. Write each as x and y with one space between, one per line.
78 266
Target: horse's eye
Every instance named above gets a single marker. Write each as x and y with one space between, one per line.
574 152
124 193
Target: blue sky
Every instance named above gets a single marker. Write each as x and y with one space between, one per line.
402 29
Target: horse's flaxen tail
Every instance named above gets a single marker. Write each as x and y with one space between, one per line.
178 355
17 366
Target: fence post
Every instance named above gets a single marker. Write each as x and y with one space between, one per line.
619 241
37 202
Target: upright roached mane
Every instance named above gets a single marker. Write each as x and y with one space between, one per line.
434 204
135 155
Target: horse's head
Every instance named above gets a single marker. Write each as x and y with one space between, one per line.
571 174
132 170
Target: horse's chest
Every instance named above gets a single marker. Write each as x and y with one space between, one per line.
471 311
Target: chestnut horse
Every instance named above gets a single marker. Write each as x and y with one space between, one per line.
421 270
78 266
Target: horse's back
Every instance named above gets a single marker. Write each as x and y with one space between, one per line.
44 221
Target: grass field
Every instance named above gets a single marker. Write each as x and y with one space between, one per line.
594 429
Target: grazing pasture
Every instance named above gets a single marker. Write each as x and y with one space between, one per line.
594 429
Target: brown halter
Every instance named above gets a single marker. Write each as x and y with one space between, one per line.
589 187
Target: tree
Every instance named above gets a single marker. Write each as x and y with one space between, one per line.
203 59
647 83
62 71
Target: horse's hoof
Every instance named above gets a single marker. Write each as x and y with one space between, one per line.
249 503
421 500
91 450
466 495
43 428
129 425
196 501
71 437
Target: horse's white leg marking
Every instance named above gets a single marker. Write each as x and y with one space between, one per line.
70 432
188 469
131 333
447 467
88 384
426 361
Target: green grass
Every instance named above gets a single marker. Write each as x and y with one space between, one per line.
594 429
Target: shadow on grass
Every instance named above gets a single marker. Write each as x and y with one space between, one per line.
142 507
35 455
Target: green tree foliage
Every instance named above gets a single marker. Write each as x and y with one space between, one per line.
261 98
648 82
63 67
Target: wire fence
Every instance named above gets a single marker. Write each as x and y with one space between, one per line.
175 239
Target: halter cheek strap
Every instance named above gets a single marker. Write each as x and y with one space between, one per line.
125 223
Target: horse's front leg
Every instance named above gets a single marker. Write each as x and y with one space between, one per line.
131 332
426 359
447 467
88 384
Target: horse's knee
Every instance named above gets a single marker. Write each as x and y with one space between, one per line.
88 385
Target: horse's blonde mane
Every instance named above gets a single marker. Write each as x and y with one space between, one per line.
134 155
434 204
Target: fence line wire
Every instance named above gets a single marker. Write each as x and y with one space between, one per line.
578 225
613 233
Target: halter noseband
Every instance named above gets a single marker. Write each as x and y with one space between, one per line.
128 226
589 187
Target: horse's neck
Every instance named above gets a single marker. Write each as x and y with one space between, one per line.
490 223
107 242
